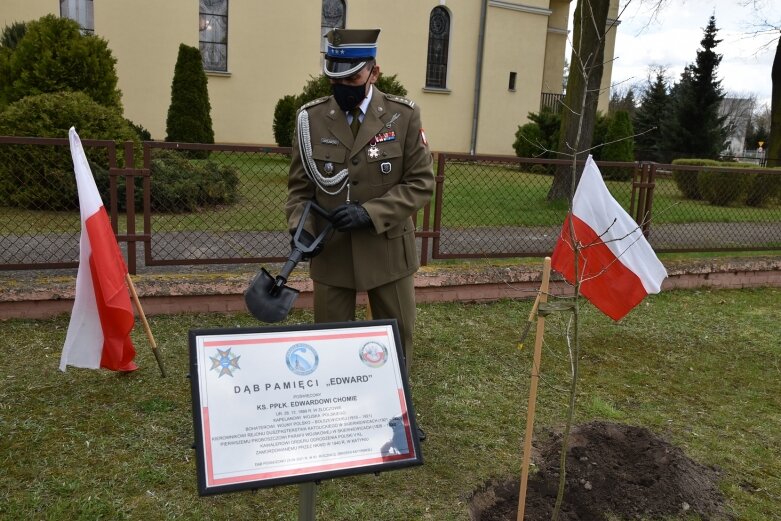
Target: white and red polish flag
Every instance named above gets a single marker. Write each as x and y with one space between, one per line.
617 266
102 317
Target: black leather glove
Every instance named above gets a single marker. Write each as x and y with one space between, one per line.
306 239
348 217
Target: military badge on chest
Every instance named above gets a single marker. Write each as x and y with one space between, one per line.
374 151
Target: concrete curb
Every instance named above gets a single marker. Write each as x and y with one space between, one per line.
30 295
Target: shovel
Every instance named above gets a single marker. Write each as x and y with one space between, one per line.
268 299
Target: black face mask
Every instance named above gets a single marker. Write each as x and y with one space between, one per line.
349 96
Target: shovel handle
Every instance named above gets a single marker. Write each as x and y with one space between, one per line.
299 248
295 258
298 245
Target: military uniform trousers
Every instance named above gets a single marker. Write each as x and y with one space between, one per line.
395 299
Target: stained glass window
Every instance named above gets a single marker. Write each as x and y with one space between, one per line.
438 42
213 34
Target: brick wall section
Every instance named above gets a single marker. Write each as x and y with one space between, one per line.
33 296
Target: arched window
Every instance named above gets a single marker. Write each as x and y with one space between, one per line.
438 43
332 18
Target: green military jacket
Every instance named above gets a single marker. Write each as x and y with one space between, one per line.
389 171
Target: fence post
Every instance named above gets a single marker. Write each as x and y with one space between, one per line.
147 208
635 183
440 181
113 203
130 205
649 199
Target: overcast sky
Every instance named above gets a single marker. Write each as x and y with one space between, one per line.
672 41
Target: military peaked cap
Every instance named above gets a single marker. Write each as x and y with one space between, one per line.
348 50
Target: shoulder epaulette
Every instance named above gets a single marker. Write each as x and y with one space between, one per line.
399 99
314 102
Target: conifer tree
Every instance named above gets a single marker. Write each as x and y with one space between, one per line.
695 128
649 118
619 144
189 115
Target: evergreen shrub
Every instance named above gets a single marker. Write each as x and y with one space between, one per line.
142 133
686 180
619 146
180 184
284 120
723 188
53 56
763 188
601 124
539 138
189 115
530 141
41 176
12 35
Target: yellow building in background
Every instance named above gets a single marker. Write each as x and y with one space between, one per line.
475 67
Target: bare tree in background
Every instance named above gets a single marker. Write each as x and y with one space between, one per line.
585 76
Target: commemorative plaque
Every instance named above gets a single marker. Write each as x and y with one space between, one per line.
281 405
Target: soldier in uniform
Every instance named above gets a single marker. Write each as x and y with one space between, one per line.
362 155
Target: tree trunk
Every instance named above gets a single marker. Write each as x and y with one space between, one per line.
774 147
585 76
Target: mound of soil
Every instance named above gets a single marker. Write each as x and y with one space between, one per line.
613 469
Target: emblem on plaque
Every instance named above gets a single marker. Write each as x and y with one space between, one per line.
302 359
374 152
329 168
373 354
385 167
225 362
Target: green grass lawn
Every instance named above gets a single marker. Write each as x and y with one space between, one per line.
475 195
701 368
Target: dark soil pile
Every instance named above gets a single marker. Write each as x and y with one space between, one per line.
613 469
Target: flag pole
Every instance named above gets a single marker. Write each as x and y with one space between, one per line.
542 297
147 329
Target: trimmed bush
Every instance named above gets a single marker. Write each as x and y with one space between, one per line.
189 115
41 177
722 188
530 141
180 184
317 87
686 180
539 137
53 56
763 188
284 120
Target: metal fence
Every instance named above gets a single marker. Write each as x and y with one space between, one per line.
186 204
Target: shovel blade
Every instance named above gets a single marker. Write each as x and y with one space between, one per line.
262 304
